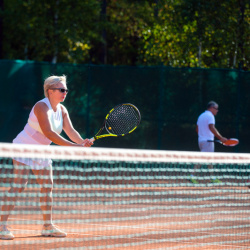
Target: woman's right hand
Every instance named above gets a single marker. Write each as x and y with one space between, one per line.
88 142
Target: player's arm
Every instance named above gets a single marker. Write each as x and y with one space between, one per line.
70 130
41 112
216 133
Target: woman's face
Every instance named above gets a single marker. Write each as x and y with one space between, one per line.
58 92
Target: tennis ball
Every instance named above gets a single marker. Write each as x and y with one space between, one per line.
109 128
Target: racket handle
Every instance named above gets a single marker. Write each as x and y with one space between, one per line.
92 139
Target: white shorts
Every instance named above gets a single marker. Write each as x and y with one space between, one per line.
206 146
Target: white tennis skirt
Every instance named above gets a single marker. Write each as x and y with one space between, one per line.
37 163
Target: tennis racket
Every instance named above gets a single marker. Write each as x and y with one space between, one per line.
121 120
230 142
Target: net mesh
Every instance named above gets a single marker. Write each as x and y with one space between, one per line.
108 198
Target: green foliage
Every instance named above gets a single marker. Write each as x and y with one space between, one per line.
127 21
184 27
179 33
48 30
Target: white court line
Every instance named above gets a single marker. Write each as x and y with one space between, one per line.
144 240
112 227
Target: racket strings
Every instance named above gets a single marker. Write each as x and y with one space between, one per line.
122 120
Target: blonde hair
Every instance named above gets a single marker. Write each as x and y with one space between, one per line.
51 81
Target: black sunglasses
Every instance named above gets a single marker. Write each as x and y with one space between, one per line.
62 90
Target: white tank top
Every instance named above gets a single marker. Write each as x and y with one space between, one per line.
54 117
32 133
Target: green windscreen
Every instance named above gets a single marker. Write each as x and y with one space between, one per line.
169 99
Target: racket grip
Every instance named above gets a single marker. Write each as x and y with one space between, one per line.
91 140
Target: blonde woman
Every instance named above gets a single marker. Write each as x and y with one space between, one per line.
46 121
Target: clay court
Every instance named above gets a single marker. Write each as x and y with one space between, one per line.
144 218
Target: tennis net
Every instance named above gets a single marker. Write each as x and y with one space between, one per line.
107 198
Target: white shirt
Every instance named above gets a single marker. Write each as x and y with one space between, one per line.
204 133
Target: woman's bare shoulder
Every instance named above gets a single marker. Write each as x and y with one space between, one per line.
40 107
64 109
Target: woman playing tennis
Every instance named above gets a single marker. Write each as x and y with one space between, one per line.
46 121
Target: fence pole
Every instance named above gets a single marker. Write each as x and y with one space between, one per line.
89 79
238 106
160 108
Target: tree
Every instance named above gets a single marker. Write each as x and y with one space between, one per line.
180 33
55 31
197 33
